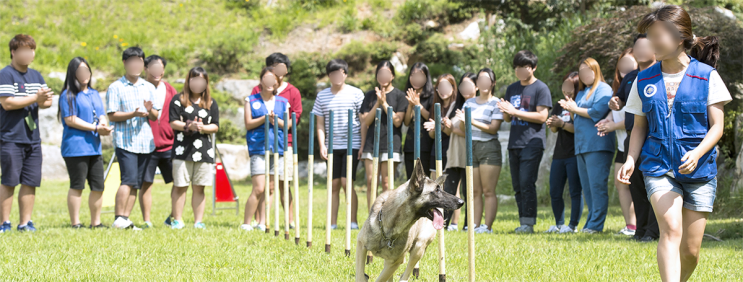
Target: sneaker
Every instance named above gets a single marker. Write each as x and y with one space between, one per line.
626 232
255 223
99 226
121 223
647 239
333 226
589 231
354 226
260 227
78 226
199 225
554 229
291 225
27 227
246 227
524 229
452 227
146 225
168 220
175 224
464 228
567 229
482 229
6 227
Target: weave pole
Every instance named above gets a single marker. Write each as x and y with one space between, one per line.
329 184
287 159
295 178
349 181
267 188
439 172
276 175
416 157
470 208
390 150
375 170
310 178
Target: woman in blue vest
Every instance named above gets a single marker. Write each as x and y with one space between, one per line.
258 107
678 106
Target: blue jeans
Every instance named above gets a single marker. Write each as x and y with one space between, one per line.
594 169
566 170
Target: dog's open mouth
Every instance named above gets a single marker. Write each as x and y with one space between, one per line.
436 218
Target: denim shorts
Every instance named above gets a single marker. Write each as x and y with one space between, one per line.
697 196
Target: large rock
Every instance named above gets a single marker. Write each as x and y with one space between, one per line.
238 88
53 165
236 160
471 32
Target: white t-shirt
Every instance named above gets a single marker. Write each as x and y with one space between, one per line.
160 93
618 116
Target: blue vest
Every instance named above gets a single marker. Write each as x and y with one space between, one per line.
255 136
671 135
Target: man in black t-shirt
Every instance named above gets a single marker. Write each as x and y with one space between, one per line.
526 105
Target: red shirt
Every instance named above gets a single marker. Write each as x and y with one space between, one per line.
161 130
291 93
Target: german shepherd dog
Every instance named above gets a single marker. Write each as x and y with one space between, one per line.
404 220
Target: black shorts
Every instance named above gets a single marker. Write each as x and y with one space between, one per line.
162 160
85 168
339 163
132 167
621 157
20 164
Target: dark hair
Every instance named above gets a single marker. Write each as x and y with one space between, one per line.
206 97
336 64
385 64
427 89
705 49
278 58
21 40
264 71
459 102
638 36
154 58
70 86
617 76
525 58
491 74
437 97
575 79
132 52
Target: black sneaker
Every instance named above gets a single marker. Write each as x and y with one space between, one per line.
647 239
78 226
167 220
99 226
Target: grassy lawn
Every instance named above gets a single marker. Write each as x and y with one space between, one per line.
224 252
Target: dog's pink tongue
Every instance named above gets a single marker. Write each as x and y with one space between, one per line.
438 220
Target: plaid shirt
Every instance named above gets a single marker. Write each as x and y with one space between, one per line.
133 135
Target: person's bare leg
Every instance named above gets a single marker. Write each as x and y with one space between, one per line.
145 200
74 198
385 178
455 215
131 200
198 202
354 203
122 198
95 200
6 201
26 198
477 196
251 205
489 178
179 201
336 195
369 167
625 199
691 241
667 206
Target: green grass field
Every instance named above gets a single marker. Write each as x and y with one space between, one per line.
224 252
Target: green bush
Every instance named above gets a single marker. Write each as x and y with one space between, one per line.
230 133
435 49
226 50
304 79
360 55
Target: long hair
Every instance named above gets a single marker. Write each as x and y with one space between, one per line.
437 98
491 75
71 86
617 76
206 96
705 49
459 101
427 89
388 65
575 79
266 70
598 77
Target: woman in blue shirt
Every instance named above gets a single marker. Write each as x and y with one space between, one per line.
84 121
594 152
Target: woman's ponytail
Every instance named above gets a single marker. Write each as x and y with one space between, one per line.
706 50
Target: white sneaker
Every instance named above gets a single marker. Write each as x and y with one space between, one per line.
626 231
566 229
482 229
354 226
333 226
121 223
261 227
524 229
246 227
452 227
554 229
254 223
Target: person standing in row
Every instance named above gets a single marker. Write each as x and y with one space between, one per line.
22 92
340 97
84 122
446 89
130 104
526 106
419 93
194 116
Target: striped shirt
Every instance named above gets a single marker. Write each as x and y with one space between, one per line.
484 113
13 125
133 135
348 98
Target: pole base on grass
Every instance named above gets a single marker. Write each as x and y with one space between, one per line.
327 248
276 233
348 253
416 272
369 259
286 236
296 241
309 244
442 277
268 230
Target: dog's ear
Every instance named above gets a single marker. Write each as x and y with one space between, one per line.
441 179
418 178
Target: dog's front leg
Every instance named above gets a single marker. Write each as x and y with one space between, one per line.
389 269
416 253
360 264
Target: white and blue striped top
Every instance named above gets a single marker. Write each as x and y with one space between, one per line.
348 98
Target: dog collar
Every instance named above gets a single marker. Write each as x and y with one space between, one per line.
390 242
